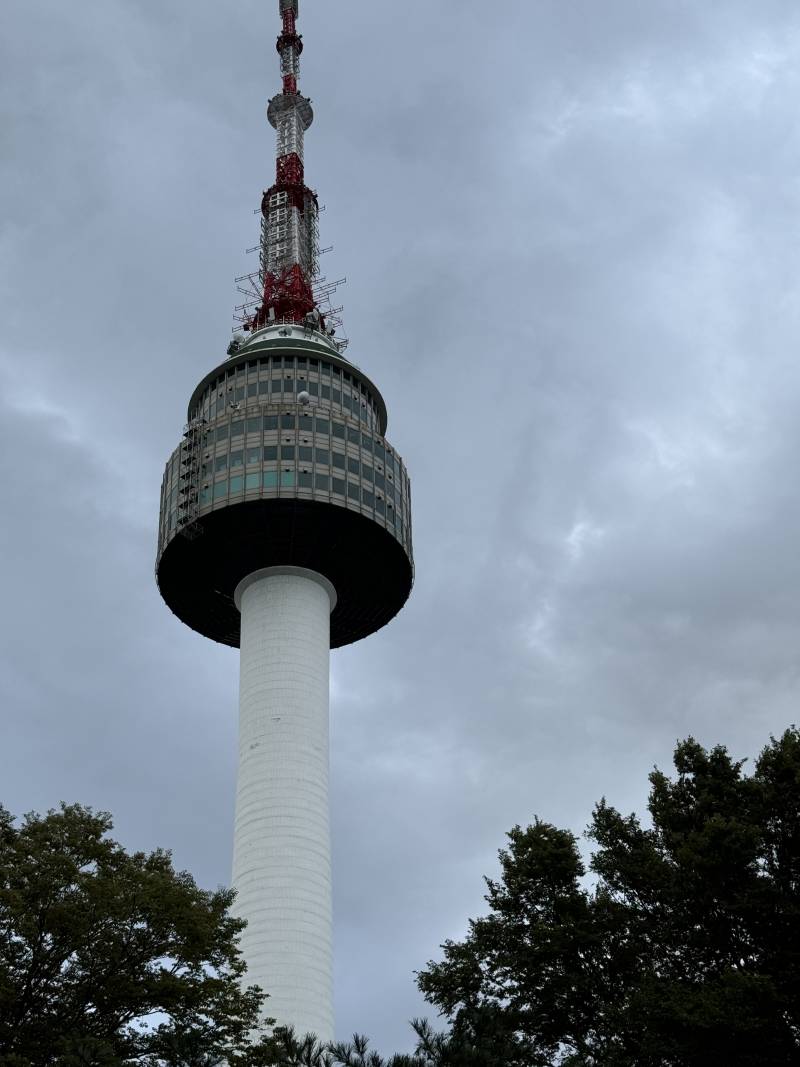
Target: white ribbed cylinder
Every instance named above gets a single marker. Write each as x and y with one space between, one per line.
281 851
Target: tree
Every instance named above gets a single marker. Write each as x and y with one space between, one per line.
114 958
684 950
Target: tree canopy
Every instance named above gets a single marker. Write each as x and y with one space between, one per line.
681 947
110 958
677 944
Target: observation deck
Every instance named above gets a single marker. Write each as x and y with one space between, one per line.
284 462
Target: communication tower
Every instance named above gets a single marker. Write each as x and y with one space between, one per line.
285 531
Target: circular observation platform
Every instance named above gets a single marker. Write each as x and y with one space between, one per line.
284 462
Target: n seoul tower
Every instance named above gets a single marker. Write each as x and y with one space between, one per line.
285 531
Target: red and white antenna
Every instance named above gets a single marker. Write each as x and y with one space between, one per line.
287 287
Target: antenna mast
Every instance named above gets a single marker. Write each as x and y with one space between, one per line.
287 287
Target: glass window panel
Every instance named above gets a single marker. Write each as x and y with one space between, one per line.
346 401
252 481
325 391
322 481
305 453
313 388
270 422
338 460
205 496
322 426
368 498
221 463
338 485
287 422
253 455
287 478
254 425
353 491
263 387
237 458
326 369
288 385
222 433
353 465
239 394
270 479
353 435
287 451
270 452
366 471
366 442
323 456
337 396
380 451
338 429
276 385
237 428
379 506
304 479
220 489
380 481
252 389
306 423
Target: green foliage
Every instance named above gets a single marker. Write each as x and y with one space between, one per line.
112 958
685 952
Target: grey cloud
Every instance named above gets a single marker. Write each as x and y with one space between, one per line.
569 234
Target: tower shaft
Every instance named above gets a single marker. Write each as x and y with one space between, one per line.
282 861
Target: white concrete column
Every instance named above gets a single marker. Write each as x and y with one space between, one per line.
281 850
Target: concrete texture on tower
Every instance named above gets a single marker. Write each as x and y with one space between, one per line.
281 859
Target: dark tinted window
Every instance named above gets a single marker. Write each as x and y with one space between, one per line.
237 428
305 453
321 481
338 485
270 422
323 426
338 429
287 451
287 422
338 460
353 465
270 452
323 456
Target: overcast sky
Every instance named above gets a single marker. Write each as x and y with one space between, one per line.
570 232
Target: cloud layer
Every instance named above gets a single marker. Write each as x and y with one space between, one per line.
570 233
